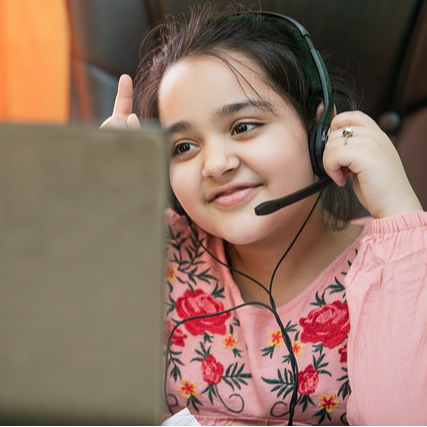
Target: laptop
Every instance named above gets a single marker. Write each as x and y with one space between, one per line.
81 269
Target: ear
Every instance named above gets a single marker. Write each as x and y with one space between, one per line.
320 109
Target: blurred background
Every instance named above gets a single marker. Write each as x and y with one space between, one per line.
60 59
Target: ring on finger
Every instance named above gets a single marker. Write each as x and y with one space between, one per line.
347 132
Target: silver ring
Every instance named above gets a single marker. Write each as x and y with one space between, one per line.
347 132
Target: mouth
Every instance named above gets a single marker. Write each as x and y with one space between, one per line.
232 195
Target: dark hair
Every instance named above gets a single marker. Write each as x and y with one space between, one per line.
274 46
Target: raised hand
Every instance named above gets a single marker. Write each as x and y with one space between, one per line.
371 160
123 117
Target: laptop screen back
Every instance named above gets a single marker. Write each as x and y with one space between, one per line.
81 269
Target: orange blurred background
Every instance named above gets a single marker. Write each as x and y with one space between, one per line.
34 61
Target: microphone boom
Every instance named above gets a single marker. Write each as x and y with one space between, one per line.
272 206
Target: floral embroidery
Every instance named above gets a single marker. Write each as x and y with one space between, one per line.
343 354
276 338
188 389
328 402
198 303
222 382
308 379
171 273
189 266
213 373
324 327
284 384
345 386
211 370
230 342
177 337
297 348
328 325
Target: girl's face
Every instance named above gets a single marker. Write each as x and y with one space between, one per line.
234 144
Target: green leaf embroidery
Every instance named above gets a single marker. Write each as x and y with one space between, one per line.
283 385
320 301
268 351
304 400
175 372
237 352
193 401
203 352
207 338
345 389
322 414
235 377
217 292
337 287
211 390
318 348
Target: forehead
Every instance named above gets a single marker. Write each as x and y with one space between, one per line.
239 64
213 79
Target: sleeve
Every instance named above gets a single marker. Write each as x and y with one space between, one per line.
387 300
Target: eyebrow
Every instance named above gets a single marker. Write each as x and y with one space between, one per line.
223 112
230 109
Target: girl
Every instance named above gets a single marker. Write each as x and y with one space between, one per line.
304 315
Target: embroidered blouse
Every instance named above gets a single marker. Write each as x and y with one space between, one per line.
358 333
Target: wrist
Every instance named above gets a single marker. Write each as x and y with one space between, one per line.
408 204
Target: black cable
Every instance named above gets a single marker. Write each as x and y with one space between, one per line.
286 339
272 308
292 243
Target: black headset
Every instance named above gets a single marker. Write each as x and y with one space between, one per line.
318 135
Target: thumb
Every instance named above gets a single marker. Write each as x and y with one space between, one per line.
133 122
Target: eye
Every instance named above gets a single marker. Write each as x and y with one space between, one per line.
182 148
241 128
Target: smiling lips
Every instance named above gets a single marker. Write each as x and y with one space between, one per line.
232 195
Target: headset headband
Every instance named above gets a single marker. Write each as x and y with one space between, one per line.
326 116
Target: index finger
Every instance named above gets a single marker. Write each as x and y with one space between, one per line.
123 104
352 118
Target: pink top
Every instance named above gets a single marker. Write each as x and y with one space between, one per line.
359 334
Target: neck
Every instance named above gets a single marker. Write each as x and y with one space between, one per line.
313 250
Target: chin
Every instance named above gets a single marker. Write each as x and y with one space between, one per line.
241 233
243 227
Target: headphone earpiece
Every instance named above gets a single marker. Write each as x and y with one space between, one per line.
316 146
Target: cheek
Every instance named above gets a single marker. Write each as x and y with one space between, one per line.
184 185
285 165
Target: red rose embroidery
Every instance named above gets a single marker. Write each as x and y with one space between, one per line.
198 303
343 354
212 370
178 336
308 380
328 324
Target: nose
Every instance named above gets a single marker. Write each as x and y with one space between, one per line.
220 159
